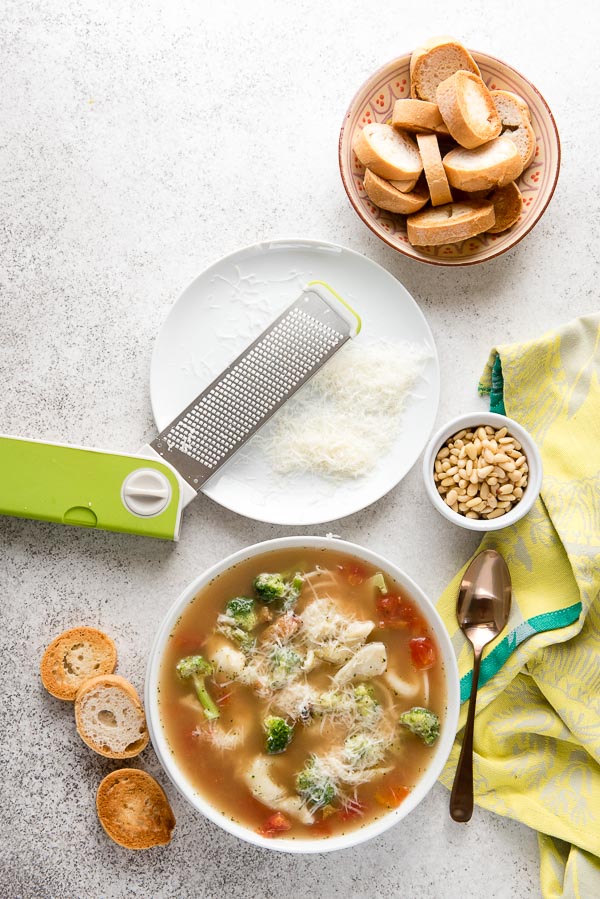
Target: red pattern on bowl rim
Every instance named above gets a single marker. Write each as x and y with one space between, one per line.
374 102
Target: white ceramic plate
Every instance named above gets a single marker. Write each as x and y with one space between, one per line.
226 308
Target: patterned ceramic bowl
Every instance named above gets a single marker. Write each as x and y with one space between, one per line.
374 102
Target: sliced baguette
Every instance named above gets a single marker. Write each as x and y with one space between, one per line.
508 204
388 152
492 165
386 196
133 809
435 175
404 187
75 656
433 62
110 718
449 224
417 116
516 123
468 109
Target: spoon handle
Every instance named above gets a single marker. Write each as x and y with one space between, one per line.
461 798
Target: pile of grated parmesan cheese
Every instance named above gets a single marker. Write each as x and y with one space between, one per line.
349 415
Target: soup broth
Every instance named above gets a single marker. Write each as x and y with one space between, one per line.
337 660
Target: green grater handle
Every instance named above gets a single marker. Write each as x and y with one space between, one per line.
89 488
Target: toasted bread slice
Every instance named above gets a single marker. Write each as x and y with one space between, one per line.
405 187
417 116
433 62
110 718
449 224
386 196
435 175
516 123
492 165
75 656
468 109
388 152
133 809
508 204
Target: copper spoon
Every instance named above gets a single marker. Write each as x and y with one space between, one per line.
482 611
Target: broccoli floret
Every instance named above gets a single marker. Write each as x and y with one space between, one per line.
279 734
333 702
315 787
366 704
269 587
293 590
422 722
363 750
243 612
284 663
197 668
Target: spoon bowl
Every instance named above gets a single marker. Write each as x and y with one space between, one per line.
482 611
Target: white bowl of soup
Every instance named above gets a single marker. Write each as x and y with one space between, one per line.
303 694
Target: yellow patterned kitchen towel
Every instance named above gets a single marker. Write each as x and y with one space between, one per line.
537 730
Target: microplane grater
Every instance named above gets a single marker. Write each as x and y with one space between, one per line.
254 386
142 493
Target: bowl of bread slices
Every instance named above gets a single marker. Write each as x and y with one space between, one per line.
450 156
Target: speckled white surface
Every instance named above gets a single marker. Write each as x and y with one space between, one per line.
139 142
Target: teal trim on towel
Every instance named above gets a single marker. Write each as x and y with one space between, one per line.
492 663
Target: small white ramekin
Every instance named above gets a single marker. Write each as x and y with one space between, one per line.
428 777
534 461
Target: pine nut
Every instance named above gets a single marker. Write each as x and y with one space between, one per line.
481 473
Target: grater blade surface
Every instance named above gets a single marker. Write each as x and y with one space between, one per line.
252 388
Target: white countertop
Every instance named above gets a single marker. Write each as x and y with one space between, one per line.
138 143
